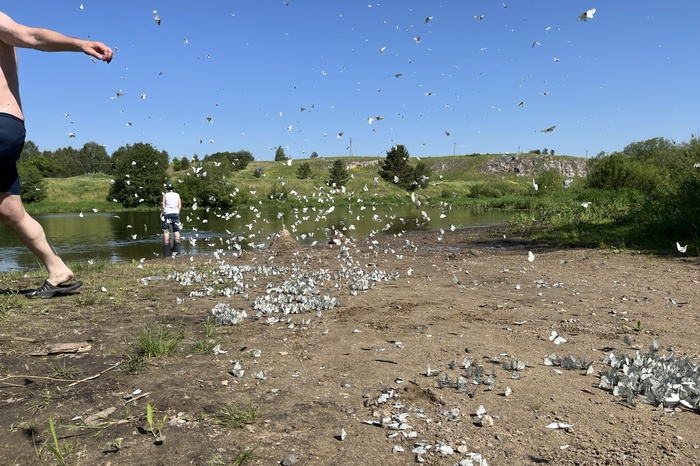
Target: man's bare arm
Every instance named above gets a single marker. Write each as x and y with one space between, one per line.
19 35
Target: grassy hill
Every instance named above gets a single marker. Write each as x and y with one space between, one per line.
454 178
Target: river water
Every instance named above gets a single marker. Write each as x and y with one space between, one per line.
134 235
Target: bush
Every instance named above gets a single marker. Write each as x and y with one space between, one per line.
549 181
32 185
304 171
486 190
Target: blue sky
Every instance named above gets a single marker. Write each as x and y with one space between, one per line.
627 74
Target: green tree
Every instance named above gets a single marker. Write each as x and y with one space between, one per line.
236 160
69 159
47 165
421 176
177 164
280 156
94 159
29 150
304 171
396 169
338 174
314 155
185 162
33 186
139 175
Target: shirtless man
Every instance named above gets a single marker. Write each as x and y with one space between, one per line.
12 135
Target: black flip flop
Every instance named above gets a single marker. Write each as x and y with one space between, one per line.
47 290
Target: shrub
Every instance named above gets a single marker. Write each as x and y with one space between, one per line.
304 171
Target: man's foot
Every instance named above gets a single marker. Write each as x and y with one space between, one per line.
47 290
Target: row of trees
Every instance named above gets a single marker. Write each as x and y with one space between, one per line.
140 170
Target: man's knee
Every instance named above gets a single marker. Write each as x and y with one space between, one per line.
11 210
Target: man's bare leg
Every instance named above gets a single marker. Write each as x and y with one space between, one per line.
31 234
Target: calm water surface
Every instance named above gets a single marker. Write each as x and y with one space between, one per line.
135 235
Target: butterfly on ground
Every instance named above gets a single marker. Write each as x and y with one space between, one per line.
680 248
556 338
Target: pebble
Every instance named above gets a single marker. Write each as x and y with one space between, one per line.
486 421
290 460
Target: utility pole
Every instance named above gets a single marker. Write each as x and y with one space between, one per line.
454 148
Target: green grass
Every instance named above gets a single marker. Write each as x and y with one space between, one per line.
230 414
156 341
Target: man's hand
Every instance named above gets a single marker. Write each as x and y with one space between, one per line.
98 50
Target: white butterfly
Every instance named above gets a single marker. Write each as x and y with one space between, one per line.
680 248
530 256
556 338
586 15
534 185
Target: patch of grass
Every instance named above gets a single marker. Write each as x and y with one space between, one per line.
9 302
90 298
233 415
537 407
209 327
92 265
41 400
60 370
157 341
243 457
203 347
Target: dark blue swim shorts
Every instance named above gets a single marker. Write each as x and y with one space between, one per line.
12 134
173 220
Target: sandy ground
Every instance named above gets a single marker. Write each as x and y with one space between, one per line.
374 380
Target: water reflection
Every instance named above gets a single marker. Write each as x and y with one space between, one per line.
135 235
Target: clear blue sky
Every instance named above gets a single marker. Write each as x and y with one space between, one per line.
628 74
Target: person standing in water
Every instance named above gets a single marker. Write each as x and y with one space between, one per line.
170 217
12 137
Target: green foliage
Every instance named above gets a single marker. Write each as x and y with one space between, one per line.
68 158
421 176
396 169
156 341
236 160
230 414
492 190
280 156
314 155
32 184
29 150
139 174
48 167
279 192
185 163
259 172
93 158
338 175
549 181
304 170
177 165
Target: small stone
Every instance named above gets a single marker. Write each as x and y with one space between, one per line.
290 460
486 421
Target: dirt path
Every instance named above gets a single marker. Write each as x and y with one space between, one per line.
375 379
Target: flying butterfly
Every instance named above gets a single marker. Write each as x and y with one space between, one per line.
548 130
586 15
